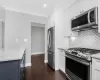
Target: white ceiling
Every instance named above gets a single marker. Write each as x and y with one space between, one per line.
35 7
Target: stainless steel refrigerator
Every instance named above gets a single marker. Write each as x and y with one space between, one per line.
51 47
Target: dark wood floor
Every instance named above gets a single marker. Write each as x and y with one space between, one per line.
41 71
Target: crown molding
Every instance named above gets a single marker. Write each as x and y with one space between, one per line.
30 13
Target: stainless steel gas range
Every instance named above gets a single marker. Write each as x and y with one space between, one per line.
78 63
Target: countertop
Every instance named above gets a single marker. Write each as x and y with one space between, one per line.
12 54
64 49
96 56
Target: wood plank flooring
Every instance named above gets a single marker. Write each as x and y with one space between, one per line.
41 71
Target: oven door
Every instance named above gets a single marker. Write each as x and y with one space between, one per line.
77 69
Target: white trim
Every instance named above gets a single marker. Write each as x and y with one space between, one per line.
37 53
30 13
45 61
56 69
27 64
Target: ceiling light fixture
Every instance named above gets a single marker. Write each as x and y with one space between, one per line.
45 5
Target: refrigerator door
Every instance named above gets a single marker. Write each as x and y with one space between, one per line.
51 47
51 41
51 59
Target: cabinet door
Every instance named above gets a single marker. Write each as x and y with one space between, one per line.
69 14
62 61
51 21
95 69
96 74
88 4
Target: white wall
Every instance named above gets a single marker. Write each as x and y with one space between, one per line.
18 26
2 13
37 39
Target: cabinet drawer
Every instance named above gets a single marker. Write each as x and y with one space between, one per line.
62 52
96 63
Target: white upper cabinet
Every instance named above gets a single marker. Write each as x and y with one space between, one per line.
69 14
51 20
88 4
75 9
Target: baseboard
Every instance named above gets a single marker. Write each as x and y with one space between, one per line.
37 53
45 61
27 64
56 69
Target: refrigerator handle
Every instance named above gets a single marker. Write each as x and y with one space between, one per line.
50 40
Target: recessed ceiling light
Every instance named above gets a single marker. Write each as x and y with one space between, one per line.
45 5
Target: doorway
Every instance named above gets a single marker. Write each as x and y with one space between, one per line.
37 38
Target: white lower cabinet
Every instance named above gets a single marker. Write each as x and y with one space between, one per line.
95 69
62 61
96 74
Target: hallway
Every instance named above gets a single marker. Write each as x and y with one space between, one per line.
41 71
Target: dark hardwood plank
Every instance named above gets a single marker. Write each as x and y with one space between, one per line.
41 71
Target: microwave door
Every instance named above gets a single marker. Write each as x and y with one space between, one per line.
92 18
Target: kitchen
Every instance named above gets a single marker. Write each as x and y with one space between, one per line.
77 41
69 48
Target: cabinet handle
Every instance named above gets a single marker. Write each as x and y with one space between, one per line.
97 70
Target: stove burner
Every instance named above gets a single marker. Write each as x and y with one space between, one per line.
85 50
82 52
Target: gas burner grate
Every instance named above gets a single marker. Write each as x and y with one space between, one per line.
85 50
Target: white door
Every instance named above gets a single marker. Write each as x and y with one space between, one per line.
96 74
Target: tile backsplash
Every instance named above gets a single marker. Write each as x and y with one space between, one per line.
86 39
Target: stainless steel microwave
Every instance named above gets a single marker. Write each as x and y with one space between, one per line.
86 20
